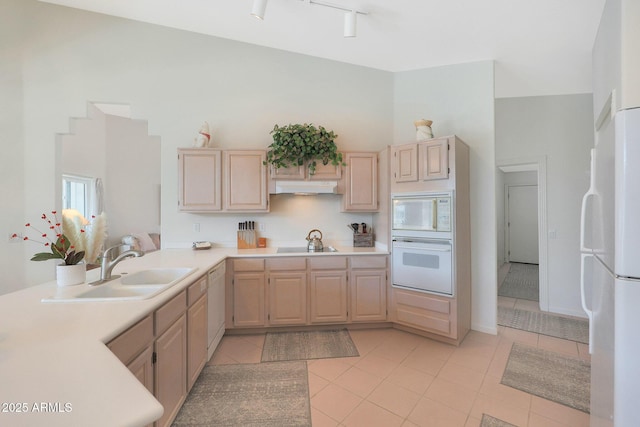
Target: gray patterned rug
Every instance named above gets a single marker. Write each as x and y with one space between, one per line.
306 345
252 395
489 421
549 375
521 282
545 324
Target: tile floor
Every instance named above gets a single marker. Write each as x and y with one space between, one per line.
401 379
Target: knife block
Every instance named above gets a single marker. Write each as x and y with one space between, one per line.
247 239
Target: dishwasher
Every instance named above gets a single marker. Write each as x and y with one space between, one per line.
216 305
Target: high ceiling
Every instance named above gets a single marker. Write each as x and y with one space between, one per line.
545 39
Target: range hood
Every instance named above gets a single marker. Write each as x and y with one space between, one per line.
306 187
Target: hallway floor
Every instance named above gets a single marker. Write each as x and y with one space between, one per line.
401 379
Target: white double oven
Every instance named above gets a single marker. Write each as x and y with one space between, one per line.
422 242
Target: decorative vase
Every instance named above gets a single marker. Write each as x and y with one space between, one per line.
69 275
423 129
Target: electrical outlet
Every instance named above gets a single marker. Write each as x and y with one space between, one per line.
196 227
261 227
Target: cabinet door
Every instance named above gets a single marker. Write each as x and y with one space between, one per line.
434 159
361 188
431 313
248 299
328 297
326 172
288 298
368 295
196 340
142 368
405 163
245 181
171 370
199 180
290 173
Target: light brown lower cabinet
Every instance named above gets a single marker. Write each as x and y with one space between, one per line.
328 297
287 298
168 348
368 295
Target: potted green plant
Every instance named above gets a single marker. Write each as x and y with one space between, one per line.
297 145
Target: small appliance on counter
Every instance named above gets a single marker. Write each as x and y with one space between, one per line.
315 243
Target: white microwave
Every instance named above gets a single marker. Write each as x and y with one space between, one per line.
425 212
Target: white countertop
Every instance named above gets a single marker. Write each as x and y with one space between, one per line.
55 368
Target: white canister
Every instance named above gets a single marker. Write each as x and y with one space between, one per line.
69 275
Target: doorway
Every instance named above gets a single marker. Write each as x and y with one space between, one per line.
522 239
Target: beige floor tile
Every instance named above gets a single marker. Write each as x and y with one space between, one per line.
461 375
473 422
499 409
527 305
536 420
470 359
516 335
429 413
451 394
316 384
482 338
394 398
219 358
369 415
319 419
411 379
408 423
506 302
257 339
358 381
329 369
500 359
393 351
560 413
376 365
424 360
436 349
492 388
558 345
240 350
335 402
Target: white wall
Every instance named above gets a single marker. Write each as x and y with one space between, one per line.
12 218
176 80
560 128
459 99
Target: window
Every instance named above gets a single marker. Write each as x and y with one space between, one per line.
77 193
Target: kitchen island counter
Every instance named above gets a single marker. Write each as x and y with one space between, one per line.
55 367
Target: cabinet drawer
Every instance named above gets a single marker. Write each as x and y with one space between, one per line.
131 342
171 311
248 264
423 301
328 262
369 262
293 263
196 290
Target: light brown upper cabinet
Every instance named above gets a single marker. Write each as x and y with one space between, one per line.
245 183
199 180
405 163
433 159
360 182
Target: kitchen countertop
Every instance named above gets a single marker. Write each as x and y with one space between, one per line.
55 368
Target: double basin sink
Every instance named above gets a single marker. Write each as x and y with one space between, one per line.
141 285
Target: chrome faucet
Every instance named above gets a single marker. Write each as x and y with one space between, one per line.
107 265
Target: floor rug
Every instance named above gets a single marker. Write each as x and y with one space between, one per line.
549 375
307 345
521 282
262 394
545 324
489 421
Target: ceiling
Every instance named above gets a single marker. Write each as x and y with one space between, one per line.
536 39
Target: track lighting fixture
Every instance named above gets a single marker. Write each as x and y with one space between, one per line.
259 7
350 16
350 23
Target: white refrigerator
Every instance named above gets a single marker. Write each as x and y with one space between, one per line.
610 285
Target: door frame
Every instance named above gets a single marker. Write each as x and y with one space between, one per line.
539 164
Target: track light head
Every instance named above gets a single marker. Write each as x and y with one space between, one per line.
350 19
259 7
